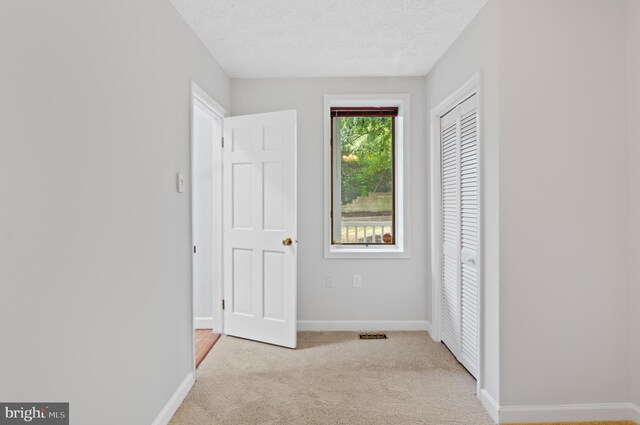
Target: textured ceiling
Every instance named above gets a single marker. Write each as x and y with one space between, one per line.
327 38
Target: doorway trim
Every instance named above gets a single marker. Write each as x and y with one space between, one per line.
200 95
469 88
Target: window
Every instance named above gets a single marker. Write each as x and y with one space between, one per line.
363 178
366 157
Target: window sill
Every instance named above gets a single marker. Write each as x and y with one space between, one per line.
364 252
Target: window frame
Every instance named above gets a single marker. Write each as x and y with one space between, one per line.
360 112
400 247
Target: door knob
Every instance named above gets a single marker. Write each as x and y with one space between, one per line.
287 242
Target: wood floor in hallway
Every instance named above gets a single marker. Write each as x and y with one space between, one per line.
205 340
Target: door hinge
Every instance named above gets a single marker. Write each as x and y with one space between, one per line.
194 249
223 142
223 303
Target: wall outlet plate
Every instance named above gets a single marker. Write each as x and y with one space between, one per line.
329 281
357 281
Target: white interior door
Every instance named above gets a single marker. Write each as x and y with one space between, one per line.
460 233
469 231
260 282
450 163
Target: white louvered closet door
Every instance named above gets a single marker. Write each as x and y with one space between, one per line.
469 302
450 154
460 292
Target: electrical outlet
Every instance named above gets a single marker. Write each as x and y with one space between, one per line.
357 281
329 281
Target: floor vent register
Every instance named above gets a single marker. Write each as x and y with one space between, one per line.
373 336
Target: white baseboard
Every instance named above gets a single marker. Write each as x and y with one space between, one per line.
203 323
175 401
635 413
559 413
567 413
363 325
490 405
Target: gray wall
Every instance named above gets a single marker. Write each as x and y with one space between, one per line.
474 51
555 187
633 90
94 239
564 310
392 289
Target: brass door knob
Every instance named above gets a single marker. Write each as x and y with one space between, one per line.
287 242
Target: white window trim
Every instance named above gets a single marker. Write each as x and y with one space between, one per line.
402 159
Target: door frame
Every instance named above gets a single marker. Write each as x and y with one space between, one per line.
469 88
200 95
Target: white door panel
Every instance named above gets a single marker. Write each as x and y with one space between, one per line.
469 226
460 228
260 215
450 332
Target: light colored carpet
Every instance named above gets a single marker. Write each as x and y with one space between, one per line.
332 378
